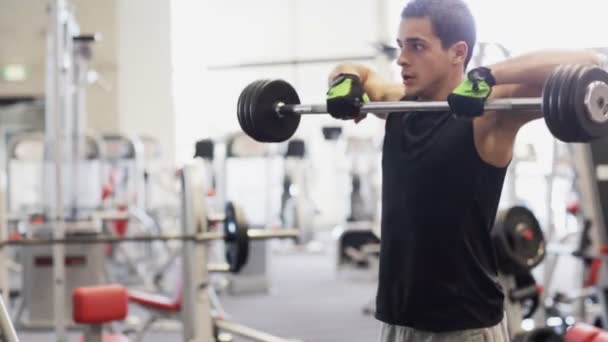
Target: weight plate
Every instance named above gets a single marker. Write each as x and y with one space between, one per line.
276 128
519 240
573 119
546 105
593 122
236 238
256 127
557 128
569 129
242 107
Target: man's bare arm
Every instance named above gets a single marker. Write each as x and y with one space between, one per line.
522 76
525 75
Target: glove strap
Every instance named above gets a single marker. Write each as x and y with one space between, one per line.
481 74
343 76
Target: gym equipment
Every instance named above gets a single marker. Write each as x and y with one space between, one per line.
297 209
590 162
545 334
236 236
96 305
126 170
195 305
519 245
204 149
246 159
518 239
574 106
527 293
295 149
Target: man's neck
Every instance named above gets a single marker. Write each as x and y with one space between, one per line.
441 94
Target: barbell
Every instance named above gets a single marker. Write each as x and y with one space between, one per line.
574 104
236 235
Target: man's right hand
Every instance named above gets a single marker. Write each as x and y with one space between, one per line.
345 98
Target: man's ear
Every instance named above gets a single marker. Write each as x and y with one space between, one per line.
459 52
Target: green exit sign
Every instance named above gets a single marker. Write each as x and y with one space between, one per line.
13 73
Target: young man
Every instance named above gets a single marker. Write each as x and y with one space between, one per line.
443 173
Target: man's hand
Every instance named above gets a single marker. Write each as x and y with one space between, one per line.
345 98
469 98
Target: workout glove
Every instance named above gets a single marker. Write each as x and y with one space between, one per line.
469 98
345 97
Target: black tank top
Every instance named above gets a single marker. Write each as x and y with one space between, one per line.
438 269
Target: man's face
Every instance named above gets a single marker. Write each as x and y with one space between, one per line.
424 62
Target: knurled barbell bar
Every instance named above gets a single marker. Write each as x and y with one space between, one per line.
574 104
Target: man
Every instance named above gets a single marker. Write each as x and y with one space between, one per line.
443 173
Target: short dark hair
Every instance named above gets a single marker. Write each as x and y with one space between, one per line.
452 21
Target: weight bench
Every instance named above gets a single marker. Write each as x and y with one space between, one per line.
96 305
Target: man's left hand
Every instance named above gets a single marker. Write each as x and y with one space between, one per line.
469 98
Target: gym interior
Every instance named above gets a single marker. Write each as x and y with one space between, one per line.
162 181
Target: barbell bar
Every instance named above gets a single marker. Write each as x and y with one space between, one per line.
516 104
574 106
253 234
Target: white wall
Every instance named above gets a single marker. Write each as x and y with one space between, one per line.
261 31
145 87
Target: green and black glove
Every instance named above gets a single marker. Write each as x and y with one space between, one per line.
345 97
469 98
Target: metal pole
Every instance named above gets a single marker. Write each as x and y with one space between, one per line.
515 104
7 333
81 57
249 333
4 259
57 106
196 314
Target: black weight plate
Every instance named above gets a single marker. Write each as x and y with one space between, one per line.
558 79
546 105
236 238
519 240
242 107
560 83
276 128
257 127
577 121
525 237
593 128
565 115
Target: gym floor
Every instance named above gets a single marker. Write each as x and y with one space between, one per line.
315 304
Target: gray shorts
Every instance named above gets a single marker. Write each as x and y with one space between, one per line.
395 333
